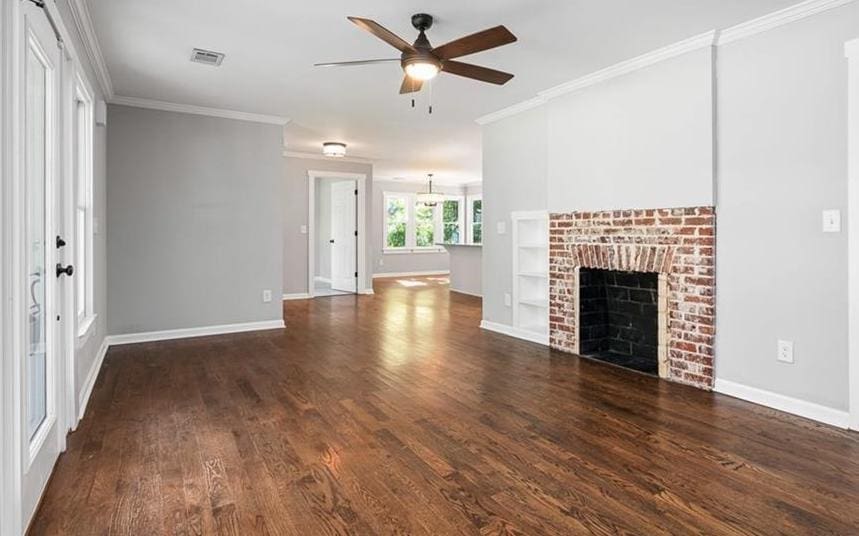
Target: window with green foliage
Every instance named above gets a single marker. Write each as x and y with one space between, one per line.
424 225
452 221
476 219
396 218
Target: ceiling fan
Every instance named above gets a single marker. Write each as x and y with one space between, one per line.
421 61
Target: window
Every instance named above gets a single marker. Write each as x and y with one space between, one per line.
396 221
411 226
451 220
82 246
424 225
475 219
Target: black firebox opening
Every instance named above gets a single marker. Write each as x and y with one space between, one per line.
618 318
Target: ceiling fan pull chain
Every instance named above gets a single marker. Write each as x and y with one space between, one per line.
430 97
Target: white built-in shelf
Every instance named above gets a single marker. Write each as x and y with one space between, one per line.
531 266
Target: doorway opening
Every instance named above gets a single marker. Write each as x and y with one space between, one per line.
336 243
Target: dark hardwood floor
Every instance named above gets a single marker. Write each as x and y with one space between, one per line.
396 414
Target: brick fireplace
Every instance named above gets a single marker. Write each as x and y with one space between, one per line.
677 245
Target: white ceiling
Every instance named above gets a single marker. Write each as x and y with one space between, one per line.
270 48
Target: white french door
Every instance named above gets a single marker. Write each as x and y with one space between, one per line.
41 428
344 247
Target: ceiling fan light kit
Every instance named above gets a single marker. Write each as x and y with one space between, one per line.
334 149
422 62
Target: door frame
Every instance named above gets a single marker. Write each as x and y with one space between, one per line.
852 53
361 183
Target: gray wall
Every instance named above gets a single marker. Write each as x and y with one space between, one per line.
781 155
515 160
294 201
782 160
194 220
640 140
86 354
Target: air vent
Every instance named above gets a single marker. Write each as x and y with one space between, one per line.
207 57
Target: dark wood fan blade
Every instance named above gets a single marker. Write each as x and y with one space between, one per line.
410 85
476 72
383 33
478 42
351 63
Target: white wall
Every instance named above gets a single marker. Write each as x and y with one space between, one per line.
194 220
640 140
647 140
295 198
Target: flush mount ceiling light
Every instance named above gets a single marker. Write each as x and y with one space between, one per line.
430 198
334 149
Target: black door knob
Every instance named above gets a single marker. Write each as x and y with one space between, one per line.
60 242
68 270
331 241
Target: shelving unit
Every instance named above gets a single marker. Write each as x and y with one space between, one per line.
531 275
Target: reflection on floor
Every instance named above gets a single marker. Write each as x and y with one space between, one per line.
323 288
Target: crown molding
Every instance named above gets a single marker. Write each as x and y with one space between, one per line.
83 22
713 38
697 42
319 156
198 110
778 18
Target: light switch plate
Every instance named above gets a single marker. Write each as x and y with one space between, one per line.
501 227
831 221
508 300
266 296
785 351
303 229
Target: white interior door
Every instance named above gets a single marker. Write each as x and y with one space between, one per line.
343 236
40 431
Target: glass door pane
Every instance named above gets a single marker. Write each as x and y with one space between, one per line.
36 120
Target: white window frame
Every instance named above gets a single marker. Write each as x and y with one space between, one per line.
469 237
83 108
460 221
411 226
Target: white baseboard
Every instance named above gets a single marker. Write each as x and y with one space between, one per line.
784 403
89 383
366 291
466 293
132 338
298 296
410 274
510 331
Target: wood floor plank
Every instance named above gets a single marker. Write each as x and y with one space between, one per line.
396 414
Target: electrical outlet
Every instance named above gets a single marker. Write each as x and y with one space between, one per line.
501 227
381 262
785 351
266 296
508 300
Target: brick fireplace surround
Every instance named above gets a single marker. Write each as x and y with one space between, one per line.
676 243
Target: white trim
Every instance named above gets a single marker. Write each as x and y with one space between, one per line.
778 18
383 275
319 156
415 250
697 42
205 331
83 21
466 293
297 296
510 331
784 403
150 104
89 382
320 279
851 50
361 184
366 291
712 38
